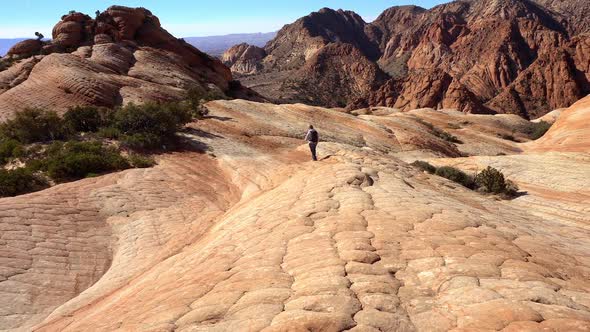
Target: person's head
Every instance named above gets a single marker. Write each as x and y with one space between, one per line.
310 127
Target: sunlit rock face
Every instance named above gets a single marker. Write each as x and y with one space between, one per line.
250 233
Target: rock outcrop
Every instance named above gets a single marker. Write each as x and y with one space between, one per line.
26 48
575 12
252 234
122 55
243 58
505 56
297 42
328 68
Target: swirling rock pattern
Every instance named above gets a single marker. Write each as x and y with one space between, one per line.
253 235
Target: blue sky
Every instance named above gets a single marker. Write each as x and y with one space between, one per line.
185 18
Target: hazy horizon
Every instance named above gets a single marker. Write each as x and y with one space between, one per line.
182 18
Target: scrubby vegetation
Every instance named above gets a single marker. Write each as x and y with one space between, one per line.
440 133
76 160
151 125
538 129
9 149
141 161
87 118
455 175
426 167
35 125
490 180
88 141
20 181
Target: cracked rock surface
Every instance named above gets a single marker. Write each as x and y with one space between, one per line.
251 236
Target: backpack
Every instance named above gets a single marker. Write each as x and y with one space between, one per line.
314 137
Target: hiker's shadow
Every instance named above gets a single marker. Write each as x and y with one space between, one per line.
326 157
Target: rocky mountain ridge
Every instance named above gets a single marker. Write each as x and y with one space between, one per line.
506 56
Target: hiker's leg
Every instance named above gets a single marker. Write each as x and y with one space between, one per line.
313 146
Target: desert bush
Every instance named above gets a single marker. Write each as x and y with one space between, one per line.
440 133
76 160
19 181
491 180
196 96
143 141
538 129
35 125
141 161
9 149
150 125
446 136
455 175
87 118
109 133
426 167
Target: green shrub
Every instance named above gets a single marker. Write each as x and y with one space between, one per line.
440 133
146 141
19 181
491 180
34 125
426 167
141 161
446 136
76 160
87 118
150 125
196 96
538 129
9 149
109 133
455 175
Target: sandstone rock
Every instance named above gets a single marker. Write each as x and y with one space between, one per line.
243 58
508 56
297 42
26 48
257 237
123 55
318 82
568 133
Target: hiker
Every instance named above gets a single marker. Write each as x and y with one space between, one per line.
312 137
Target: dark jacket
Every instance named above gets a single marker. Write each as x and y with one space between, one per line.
312 136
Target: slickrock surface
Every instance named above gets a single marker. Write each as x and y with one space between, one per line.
569 132
478 56
252 236
122 55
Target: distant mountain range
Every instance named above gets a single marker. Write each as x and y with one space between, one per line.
477 56
212 45
216 45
